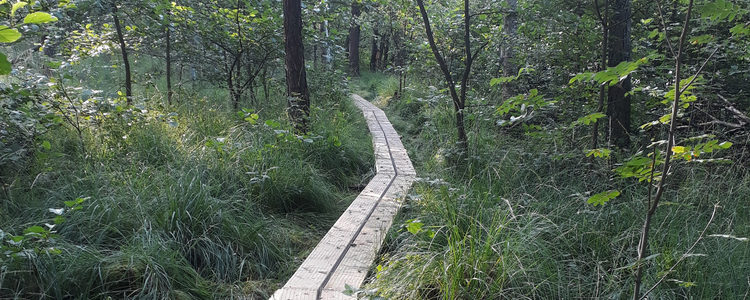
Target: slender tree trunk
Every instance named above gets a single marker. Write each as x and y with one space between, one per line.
315 53
458 104
294 59
266 96
618 103
398 60
510 27
237 90
374 52
347 41
124 50
323 44
384 49
604 19
643 243
354 40
169 66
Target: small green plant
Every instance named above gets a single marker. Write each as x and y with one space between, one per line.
37 239
362 293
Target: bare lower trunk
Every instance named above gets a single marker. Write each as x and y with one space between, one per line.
169 69
618 103
298 95
384 48
354 40
374 52
510 27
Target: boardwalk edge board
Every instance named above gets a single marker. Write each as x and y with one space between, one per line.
345 253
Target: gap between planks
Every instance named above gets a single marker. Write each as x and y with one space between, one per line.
345 254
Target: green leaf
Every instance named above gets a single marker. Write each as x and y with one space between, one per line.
39 18
604 197
679 149
495 81
75 202
740 29
653 33
586 120
46 145
5 66
665 118
272 123
414 225
17 6
603 153
59 219
698 40
9 35
16 239
34 229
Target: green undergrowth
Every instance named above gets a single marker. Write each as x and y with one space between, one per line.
510 220
195 201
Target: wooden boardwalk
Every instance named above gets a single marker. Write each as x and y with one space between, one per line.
345 254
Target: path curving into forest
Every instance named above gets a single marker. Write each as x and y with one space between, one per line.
346 252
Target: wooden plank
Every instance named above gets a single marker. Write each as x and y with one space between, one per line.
345 253
357 261
335 295
294 294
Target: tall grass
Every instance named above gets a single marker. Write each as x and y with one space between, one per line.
511 221
213 208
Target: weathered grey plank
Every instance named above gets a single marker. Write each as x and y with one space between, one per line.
345 253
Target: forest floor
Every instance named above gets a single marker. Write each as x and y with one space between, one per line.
193 201
510 219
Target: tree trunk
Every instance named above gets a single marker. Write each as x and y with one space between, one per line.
169 66
618 103
374 52
124 50
604 20
294 59
458 104
398 45
237 90
510 27
354 40
315 53
323 44
346 44
384 47
266 96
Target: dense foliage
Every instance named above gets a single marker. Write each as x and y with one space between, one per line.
565 149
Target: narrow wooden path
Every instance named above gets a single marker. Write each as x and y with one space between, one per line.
346 252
